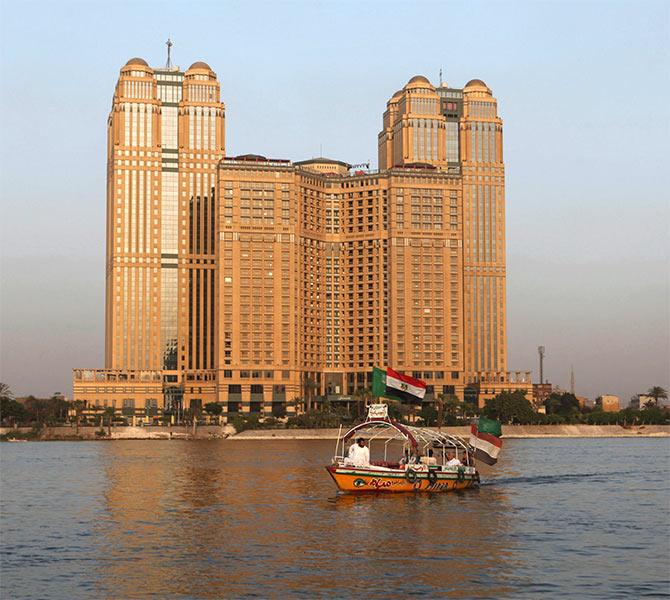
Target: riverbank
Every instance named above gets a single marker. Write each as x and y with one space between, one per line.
69 433
509 432
208 432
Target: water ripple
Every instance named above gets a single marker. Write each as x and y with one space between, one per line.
219 519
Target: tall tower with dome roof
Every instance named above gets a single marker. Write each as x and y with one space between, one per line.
458 130
165 138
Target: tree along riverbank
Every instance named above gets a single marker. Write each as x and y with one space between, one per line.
205 432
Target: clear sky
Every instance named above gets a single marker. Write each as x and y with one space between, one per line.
583 89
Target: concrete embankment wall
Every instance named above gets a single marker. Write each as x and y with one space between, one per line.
217 432
532 431
509 432
129 433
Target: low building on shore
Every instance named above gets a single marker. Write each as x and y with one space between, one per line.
541 391
641 401
608 403
583 401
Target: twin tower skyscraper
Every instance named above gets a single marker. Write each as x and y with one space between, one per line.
266 285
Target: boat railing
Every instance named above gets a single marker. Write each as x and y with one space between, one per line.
342 461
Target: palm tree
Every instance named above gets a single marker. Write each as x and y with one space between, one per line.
657 392
444 405
452 406
447 404
299 405
5 392
214 409
362 396
78 406
109 413
310 386
439 405
469 409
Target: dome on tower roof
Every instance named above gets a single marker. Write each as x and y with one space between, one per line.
475 82
137 61
418 79
419 82
200 65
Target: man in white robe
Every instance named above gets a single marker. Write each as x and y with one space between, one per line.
359 453
453 461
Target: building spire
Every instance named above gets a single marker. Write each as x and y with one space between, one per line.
168 65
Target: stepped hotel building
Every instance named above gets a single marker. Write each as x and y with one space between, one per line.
265 285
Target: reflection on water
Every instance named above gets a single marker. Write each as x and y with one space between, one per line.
213 519
219 518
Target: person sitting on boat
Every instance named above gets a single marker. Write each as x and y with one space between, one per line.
359 453
452 460
430 459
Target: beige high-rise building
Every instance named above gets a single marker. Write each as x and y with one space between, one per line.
165 138
460 131
267 285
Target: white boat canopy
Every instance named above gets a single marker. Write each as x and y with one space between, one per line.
379 425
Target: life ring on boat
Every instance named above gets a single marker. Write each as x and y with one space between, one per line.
411 475
432 477
460 476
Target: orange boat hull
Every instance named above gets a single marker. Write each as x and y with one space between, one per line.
360 479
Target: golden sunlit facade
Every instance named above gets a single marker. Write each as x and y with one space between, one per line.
269 285
165 138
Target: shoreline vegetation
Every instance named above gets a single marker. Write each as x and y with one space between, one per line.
209 432
561 415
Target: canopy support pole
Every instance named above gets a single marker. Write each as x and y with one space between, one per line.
337 443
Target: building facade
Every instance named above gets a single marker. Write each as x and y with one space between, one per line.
608 403
165 137
268 285
640 401
541 391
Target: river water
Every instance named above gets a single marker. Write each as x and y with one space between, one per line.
585 518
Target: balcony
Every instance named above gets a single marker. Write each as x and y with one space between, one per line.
115 375
488 377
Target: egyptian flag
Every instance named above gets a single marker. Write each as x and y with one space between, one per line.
392 384
485 439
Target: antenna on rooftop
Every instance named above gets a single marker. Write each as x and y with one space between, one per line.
440 76
168 65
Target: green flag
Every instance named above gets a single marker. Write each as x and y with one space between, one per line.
378 382
489 426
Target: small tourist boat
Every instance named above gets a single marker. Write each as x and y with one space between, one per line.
421 456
